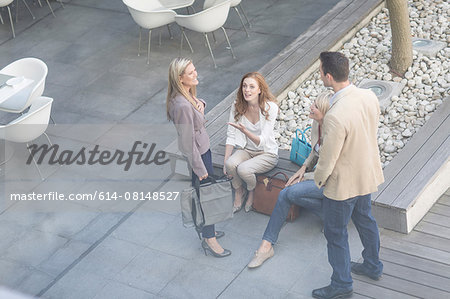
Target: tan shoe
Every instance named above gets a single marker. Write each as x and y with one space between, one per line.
238 208
260 258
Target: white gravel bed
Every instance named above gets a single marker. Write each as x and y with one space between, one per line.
427 80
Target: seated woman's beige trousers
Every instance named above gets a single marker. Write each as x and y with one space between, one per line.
244 164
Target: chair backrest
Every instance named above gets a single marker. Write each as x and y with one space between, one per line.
176 4
149 14
31 68
144 5
206 20
211 3
4 3
30 125
234 3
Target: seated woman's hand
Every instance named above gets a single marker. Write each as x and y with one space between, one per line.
203 177
225 172
240 127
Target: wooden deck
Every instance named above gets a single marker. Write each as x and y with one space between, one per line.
416 265
417 176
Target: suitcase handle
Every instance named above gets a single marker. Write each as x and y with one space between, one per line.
285 176
268 183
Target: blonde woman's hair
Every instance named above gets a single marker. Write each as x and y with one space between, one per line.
176 69
322 101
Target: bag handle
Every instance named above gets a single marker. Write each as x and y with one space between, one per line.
195 203
209 180
268 181
302 132
198 226
285 176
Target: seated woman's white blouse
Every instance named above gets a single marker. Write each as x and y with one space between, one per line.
255 129
267 138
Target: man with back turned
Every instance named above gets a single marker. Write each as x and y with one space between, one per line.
349 170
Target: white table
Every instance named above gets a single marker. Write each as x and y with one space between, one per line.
7 91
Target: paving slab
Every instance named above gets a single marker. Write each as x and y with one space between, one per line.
197 281
146 272
250 288
25 251
117 290
109 258
63 258
144 226
13 273
67 223
76 284
10 232
34 282
97 229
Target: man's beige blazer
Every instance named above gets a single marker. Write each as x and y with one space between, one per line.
349 161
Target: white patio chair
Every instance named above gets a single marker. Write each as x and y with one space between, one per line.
28 8
206 21
149 15
233 4
49 6
176 4
31 68
30 125
6 3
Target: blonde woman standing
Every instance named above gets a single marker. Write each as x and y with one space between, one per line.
251 130
187 113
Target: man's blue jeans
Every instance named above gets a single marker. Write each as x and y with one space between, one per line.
336 217
304 194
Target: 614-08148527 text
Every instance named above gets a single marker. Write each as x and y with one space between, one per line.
138 195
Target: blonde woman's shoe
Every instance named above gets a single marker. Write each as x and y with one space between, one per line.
206 249
260 258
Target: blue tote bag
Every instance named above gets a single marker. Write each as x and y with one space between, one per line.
300 148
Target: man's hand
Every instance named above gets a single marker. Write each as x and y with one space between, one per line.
297 177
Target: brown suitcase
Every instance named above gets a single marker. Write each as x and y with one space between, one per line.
266 195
